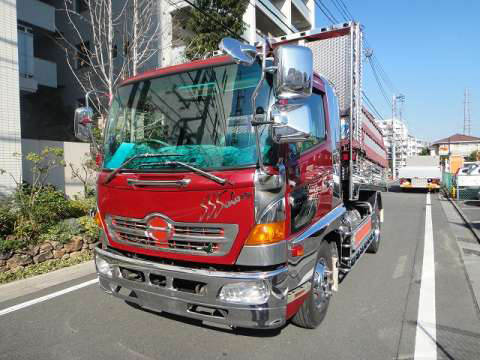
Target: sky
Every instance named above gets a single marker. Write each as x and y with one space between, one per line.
431 52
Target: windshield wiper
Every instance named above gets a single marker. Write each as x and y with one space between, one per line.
129 160
196 170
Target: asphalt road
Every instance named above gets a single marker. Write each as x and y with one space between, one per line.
373 316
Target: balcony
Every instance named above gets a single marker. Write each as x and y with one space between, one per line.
36 13
45 72
35 71
301 16
269 17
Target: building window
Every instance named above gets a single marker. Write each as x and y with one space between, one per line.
82 6
25 51
82 57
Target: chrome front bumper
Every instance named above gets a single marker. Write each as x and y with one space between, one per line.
156 286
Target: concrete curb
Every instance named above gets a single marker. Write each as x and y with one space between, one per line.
474 231
36 283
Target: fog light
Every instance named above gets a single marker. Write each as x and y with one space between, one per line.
252 293
103 267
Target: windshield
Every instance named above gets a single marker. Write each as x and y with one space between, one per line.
202 117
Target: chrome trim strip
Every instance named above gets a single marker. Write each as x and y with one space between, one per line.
263 255
159 183
200 272
321 224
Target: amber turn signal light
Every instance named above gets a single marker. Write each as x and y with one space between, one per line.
264 234
98 220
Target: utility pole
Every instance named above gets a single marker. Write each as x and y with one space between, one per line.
467 124
394 112
397 113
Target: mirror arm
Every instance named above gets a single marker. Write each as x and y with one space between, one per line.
87 99
254 100
90 92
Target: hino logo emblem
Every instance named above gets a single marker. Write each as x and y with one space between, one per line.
213 204
160 230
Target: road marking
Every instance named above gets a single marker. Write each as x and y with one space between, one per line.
46 297
426 332
400 268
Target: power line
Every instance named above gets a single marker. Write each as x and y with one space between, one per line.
326 12
345 7
340 9
379 82
372 107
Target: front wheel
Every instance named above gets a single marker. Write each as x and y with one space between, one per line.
313 310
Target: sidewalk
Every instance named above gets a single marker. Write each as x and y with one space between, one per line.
470 212
467 232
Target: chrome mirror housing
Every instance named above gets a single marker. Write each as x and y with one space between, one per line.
82 123
241 53
291 123
294 77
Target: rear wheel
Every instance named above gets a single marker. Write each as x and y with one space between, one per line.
314 309
375 245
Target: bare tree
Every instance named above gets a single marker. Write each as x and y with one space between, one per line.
95 36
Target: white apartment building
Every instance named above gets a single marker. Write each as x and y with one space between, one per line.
27 69
262 17
395 136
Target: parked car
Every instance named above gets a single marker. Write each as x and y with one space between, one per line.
467 169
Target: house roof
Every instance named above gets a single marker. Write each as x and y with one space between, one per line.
457 138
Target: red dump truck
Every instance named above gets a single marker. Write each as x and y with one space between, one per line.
238 189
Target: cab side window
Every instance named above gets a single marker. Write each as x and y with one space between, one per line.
315 103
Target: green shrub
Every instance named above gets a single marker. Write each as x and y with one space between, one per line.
62 231
82 207
89 225
10 243
7 220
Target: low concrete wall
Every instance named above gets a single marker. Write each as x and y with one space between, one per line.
73 153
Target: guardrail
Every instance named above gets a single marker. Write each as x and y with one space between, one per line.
463 187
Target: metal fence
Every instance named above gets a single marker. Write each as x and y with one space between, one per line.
456 192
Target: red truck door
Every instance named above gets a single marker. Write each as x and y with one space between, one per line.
309 170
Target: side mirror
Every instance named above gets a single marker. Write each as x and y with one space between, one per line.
294 77
82 123
291 123
241 53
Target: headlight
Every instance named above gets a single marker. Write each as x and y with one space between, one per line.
251 293
103 267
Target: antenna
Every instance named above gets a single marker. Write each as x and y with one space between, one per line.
467 123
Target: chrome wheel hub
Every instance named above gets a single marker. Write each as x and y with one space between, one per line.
322 286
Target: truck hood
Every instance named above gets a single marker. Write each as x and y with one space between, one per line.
190 218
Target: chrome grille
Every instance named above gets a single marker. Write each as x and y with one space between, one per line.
189 238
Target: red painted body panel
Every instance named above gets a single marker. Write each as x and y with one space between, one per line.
181 205
197 64
294 306
363 231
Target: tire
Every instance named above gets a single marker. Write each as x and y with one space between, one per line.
375 245
313 310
